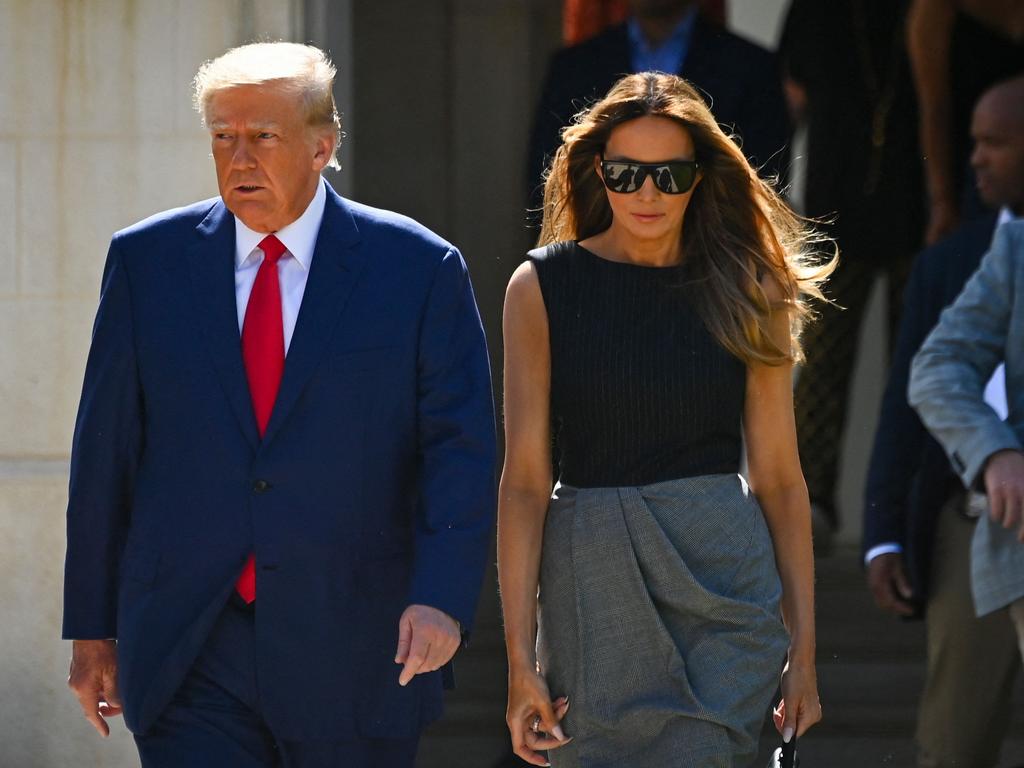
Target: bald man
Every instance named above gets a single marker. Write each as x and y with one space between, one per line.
917 533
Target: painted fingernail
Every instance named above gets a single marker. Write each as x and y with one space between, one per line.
787 734
558 733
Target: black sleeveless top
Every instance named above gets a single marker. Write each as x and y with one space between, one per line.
641 392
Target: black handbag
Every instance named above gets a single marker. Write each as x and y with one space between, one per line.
785 756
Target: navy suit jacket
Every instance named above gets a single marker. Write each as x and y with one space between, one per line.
909 476
740 80
372 488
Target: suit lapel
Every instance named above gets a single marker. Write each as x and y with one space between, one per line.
212 271
337 264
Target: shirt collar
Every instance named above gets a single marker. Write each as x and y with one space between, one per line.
1005 215
299 237
680 35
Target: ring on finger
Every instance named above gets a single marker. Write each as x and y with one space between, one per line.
535 725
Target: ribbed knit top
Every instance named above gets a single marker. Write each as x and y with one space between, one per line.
641 392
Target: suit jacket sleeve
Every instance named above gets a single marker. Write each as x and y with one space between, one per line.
104 457
456 436
949 374
900 436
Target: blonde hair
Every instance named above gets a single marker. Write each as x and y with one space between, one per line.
304 68
738 231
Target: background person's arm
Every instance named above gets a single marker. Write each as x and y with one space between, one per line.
929 35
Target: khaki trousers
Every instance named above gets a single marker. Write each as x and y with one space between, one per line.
972 663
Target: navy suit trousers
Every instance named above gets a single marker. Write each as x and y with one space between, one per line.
215 720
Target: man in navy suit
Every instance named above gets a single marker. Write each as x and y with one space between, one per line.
282 477
917 521
740 80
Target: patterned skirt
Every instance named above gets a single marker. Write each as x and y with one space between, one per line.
659 617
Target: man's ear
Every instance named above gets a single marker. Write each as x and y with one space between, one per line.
323 149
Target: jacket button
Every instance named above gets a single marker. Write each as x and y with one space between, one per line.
260 486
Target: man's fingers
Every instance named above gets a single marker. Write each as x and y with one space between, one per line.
1012 515
441 652
110 693
996 506
418 652
903 587
90 704
98 723
889 596
897 599
404 639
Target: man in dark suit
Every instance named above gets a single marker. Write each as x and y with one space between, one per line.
739 79
917 523
282 477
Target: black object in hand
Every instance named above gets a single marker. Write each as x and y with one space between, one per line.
785 756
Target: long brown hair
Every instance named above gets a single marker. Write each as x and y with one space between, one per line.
738 231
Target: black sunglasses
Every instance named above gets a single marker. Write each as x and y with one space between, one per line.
674 177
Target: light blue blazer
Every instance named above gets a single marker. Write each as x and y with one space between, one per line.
984 327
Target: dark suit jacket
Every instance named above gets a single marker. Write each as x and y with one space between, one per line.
372 488
909 476
740 78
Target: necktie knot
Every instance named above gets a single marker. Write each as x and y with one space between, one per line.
272 248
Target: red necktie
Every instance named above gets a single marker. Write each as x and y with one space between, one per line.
263 355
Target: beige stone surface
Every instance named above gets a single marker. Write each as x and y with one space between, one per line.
31 72
41 725
43 346
8 218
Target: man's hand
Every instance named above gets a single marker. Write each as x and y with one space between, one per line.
1004 484
93 679
888 582
427 640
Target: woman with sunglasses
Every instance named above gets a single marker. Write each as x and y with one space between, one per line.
655 594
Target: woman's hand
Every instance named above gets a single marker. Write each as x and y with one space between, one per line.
799 708
533 718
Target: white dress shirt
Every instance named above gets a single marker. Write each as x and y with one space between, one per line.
995 396
299 238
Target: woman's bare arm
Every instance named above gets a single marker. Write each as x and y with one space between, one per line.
523 497
778 483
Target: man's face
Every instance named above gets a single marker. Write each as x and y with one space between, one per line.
998 156
657 9
268 160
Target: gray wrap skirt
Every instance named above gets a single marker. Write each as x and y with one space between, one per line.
659 618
